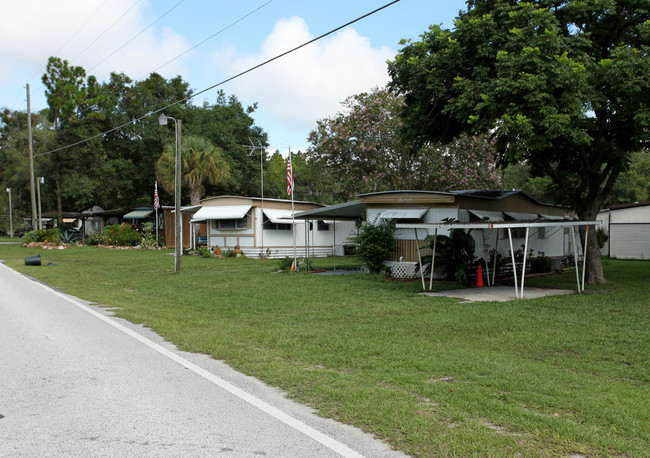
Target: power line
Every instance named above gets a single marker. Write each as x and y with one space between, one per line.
81 27
135 36
106 30
320 37
145 29
210 37
72 36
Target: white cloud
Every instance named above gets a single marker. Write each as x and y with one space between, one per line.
309 84
32 31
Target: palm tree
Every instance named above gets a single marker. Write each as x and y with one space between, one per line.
203 162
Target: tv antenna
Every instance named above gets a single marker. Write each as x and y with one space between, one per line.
251 151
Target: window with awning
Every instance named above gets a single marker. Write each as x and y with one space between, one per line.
485 215
221 213
276 219
403 213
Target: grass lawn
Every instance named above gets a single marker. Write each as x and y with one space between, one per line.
548 377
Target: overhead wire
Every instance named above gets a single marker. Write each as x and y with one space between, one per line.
92 15
221 83
210 37
145 29
135 36
106 29
82 26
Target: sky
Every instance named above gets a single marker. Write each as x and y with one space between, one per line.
207 42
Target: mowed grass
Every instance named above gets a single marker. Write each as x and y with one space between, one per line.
433 377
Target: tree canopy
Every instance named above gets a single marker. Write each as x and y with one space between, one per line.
361 150
202 163
561 84
116 169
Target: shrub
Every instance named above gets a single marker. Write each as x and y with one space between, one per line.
148 239
285 263
205 252
540 264
121 234
93 239
602 237
43 235
455 254
375 243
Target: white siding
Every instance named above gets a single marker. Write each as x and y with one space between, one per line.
630 240
628 230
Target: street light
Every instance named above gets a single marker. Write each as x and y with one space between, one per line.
11 220
162 120
39 182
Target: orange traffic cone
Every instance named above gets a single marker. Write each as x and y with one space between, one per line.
479 277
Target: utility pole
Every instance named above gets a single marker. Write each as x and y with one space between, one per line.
31 159
177 198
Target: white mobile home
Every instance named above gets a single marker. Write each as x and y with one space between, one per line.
265 227
429 207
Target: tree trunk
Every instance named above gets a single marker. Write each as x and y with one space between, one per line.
195 199
594 274
593 263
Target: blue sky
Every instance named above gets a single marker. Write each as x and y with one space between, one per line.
292 93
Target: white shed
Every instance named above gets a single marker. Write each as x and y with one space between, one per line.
628 228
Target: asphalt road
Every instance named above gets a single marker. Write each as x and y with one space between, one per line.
76 381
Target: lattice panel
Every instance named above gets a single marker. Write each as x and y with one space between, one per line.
404 269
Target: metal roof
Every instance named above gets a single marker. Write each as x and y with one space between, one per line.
138 214
347 211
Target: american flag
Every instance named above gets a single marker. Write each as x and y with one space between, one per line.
156 200
289 176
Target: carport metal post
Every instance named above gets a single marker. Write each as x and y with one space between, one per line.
514 266
575 257
433 257
487 263
584 256
334 227
523 267
419 259
496 255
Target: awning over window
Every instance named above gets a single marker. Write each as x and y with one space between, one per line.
403 213
138 214
225 212
278 216
517 216
551 217
487 215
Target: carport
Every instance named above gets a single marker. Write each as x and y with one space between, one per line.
505 225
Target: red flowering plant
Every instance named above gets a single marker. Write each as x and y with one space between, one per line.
121 234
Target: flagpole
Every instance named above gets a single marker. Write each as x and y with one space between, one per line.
156 205
293 214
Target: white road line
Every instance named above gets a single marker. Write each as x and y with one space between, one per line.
296 424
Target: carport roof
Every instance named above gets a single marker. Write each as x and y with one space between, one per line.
347 211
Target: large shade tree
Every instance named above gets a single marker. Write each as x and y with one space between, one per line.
562 84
